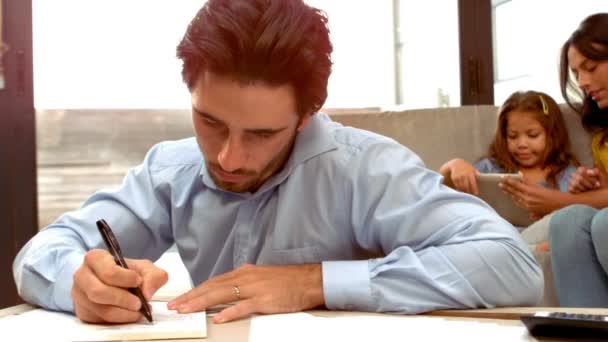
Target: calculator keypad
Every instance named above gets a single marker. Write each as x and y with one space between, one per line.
563 324
585 317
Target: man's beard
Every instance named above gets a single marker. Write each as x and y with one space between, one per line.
256 178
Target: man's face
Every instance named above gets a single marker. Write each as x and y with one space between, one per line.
245 132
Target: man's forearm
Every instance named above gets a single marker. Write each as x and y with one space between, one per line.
315 290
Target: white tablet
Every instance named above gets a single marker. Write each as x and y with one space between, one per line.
490 192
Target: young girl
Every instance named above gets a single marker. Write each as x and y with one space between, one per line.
531 138
579 233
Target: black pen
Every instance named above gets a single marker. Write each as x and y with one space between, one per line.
114 248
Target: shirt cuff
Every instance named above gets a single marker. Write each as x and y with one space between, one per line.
346 285
62 288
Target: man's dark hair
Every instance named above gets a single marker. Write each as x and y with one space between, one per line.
277 42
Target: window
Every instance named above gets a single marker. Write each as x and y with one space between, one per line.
428 65
109 53
121 54
527 38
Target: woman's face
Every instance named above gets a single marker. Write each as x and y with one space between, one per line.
591 75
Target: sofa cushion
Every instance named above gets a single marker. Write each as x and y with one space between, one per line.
436 135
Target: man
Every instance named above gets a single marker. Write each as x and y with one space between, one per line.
284 208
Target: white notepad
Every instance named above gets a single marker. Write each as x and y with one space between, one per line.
304 327
57 326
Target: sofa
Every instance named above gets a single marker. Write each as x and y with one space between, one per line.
80 151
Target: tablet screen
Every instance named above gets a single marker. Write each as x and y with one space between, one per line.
490 192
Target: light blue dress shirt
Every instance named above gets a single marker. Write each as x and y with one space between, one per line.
489 165
389 235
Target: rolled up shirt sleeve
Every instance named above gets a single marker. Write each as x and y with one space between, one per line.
44 267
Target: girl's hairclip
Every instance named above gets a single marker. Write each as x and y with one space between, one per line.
544 104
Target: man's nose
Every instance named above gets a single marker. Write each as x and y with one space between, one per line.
232 155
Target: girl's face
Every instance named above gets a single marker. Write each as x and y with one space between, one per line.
526 138
592 76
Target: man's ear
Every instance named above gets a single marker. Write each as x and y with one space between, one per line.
303 121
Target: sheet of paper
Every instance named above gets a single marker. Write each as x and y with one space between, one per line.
179 278
65 327
304 327
169 292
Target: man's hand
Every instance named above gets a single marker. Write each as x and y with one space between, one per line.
100 291
584 179
256 289
536 199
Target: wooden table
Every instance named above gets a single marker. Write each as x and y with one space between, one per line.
239 330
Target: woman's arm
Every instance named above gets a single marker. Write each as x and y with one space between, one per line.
585 179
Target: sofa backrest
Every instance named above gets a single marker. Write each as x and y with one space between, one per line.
80 151
440 134
436 135
122 136
580 140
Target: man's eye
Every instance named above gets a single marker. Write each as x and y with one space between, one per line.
264 135
208 121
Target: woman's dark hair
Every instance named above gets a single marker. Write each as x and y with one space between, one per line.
557 155
281 42
591 40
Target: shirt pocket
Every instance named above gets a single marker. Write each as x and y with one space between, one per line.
294 256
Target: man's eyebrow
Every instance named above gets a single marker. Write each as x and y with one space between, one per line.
205 114
248 130
267 131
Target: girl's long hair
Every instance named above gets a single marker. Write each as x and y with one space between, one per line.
557 155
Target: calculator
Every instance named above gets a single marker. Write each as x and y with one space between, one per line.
562 324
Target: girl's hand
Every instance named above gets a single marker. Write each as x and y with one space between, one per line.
584 179
536 199
463 176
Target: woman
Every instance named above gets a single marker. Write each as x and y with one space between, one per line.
579 233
